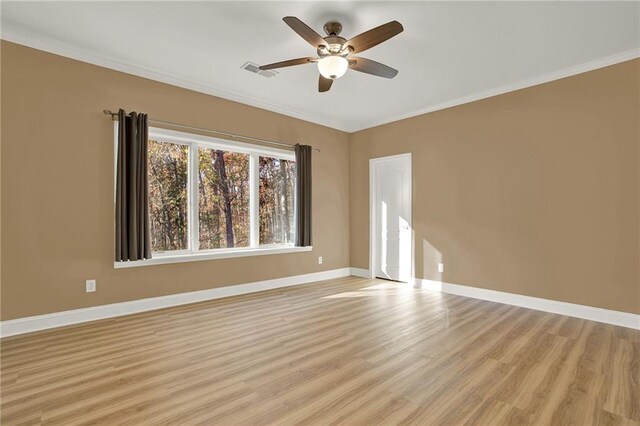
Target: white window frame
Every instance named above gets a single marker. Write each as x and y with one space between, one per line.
193 253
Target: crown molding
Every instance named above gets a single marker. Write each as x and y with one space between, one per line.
627 55
18 35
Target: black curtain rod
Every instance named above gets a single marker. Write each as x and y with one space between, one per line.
114 116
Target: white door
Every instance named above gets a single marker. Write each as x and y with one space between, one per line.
391 213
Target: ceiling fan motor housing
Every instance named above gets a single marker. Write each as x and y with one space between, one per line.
335 43
334 46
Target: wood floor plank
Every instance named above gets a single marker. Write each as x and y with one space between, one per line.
349 351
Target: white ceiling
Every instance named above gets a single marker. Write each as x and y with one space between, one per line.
449 53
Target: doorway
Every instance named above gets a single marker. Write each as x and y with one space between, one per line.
391 247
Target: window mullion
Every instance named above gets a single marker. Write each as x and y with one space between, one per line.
194 228
254 192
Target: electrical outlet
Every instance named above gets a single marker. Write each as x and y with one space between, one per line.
90 286
440 267
320 260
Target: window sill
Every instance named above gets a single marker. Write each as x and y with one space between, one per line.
162 259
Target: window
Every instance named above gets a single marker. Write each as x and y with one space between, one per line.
168 202
211 196
277 192
223 199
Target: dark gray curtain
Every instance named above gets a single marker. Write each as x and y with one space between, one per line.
132 199
303 195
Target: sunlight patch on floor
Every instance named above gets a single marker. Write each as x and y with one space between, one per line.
377 290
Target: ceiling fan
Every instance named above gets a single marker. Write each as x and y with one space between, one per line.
335 52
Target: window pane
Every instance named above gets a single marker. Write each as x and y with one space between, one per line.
223 185
277 192
168 195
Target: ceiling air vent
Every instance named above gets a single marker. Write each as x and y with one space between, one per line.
254 68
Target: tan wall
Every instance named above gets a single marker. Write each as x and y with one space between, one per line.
57 185
534 192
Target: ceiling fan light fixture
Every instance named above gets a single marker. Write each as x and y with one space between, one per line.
333 67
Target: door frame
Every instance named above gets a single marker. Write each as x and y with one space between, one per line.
373 237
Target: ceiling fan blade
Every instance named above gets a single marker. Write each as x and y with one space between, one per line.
289 63
304 31
371 67
375 36
324 84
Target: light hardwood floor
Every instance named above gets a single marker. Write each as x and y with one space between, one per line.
351 351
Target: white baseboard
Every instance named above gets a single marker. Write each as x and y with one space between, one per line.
607 316
76 316
362 273
623 319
